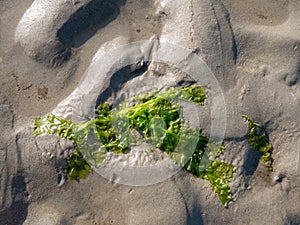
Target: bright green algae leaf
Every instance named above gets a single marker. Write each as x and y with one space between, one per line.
258 139
77 167
216 172
157 117
51 124
219 174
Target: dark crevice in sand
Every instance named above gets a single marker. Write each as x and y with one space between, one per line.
118 80
251 162
234 44
295 79
227 40
235 139
292 220
195 217
83 24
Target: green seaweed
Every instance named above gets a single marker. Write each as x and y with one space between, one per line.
259 140
77 167
157 117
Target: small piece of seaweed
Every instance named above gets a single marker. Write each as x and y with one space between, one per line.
259 140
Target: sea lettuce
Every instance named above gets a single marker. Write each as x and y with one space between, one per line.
158 119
